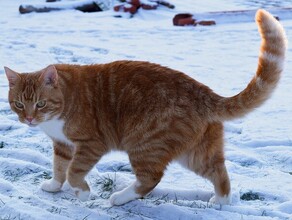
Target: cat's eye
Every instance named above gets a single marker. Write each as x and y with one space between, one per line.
19 105
41 104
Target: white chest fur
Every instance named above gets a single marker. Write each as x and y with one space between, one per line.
54 129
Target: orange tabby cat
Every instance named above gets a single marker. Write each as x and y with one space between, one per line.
153 113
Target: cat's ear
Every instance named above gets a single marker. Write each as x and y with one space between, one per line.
12 76
50 76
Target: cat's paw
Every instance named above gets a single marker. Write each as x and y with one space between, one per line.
225 200
51 185
119 198
124 196
81 189
82 195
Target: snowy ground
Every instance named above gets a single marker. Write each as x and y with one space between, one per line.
258 147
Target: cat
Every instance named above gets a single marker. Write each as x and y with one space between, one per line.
155 114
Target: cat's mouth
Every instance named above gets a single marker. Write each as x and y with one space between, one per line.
31 124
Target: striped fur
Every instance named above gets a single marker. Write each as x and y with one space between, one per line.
153 113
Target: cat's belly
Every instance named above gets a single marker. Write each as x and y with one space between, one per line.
54 129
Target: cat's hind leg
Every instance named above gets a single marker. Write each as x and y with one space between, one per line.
62 157
207 160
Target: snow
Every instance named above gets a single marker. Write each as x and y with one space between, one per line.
258 147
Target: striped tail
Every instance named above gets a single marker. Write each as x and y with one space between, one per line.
270 67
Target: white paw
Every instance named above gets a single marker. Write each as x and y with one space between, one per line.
126 195
82 195
117 199
51 185
225 200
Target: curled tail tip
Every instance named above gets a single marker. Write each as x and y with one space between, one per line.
267 22
264 17
270 28
262 14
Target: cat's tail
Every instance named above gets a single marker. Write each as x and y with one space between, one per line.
270 67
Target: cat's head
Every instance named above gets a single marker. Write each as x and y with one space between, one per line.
35 97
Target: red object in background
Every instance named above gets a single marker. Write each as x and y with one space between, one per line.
207 23
136 3
183 19
133 5
186 21
149 7
132 9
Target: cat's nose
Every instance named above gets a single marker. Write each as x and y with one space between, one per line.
29 118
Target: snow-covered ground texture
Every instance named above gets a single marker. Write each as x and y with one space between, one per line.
258 147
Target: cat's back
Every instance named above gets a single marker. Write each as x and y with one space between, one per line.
124 70
130 80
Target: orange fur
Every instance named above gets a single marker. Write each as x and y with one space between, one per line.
153 113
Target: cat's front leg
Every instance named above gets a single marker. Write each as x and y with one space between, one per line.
86 156
62 156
